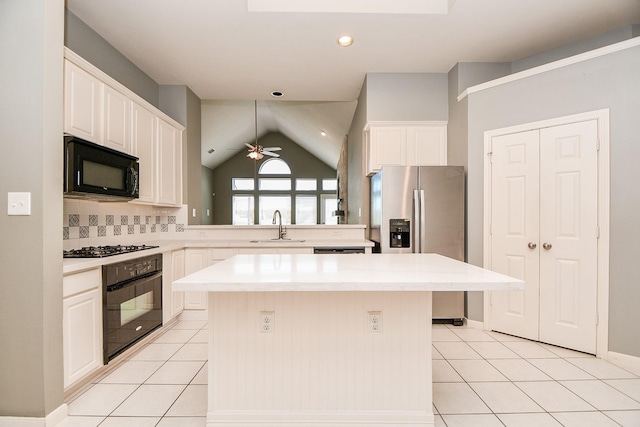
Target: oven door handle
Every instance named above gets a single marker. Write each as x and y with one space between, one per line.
150 276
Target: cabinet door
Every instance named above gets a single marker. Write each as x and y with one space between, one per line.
426 146
117 120
195 259
143 140
177 269
386 147
82 335
82 100
169 164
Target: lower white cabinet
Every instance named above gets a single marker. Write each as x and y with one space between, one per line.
82 325
172 269
194 260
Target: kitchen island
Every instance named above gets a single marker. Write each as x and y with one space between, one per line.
326 340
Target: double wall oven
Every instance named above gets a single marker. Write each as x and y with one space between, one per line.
131 296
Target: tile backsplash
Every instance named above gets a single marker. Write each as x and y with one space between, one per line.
87 223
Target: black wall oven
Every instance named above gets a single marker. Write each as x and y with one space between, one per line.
132 302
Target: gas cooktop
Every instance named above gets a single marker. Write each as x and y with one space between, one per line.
104 251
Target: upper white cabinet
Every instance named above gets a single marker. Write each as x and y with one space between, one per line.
101 110
82 103
158 146
405 144
143 124
117 120
169 152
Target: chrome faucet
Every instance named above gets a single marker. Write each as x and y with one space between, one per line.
281 230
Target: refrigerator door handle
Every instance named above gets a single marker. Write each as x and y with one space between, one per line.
416 223
423 223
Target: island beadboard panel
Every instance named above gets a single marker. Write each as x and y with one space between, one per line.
87 223
320 360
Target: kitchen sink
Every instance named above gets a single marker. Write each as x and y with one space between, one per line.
277 241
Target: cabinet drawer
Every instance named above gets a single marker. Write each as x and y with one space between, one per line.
81 282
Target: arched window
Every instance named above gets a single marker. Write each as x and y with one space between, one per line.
274 167
300 200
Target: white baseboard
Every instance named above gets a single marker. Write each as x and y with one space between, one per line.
194 315
630 363
475 324
53 419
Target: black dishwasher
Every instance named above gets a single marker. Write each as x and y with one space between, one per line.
339 250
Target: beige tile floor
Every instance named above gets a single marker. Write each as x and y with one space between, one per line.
481 379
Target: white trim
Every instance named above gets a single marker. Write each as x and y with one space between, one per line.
630 363
55 418
596 53
602 117
189 314
110 81
474 324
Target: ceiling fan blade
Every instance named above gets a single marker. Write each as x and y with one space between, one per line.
250 146
269 153
272 148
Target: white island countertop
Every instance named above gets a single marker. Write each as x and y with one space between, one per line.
357 272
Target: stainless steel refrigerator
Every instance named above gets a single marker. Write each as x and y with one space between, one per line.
420 209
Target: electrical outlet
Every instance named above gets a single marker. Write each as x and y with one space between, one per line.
375 322
267 322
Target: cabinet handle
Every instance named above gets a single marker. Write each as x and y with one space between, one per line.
546 246
532 245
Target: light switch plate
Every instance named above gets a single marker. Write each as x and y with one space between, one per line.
19 204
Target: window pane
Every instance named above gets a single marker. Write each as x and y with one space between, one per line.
306 210
274 167
243 210
330 184
242 184
274 184
329 204
268 205
306 184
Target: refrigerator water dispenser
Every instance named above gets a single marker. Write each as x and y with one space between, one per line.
399 233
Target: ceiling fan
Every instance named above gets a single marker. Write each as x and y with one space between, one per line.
257 151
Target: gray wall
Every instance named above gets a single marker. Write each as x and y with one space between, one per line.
581 46
611 82
407 96
207 195
357 183
302 163
81 39
31 40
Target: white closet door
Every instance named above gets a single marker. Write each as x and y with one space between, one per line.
568 235
544 205
514 227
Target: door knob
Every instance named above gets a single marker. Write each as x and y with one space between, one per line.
547 246
532 245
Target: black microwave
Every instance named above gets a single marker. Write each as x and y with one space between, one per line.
92 171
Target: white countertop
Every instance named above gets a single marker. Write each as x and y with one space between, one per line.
74 265
356 272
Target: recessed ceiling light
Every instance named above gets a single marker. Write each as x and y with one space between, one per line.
345 41
277 94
